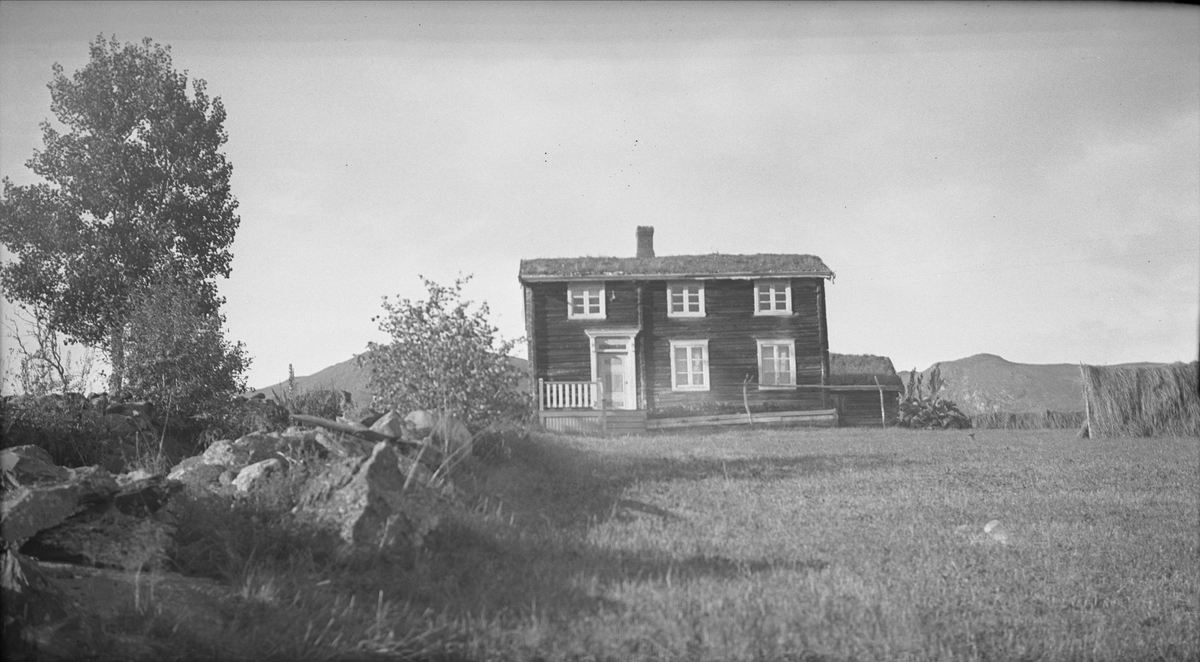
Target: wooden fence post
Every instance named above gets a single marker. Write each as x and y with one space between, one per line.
882 408
746 400
603 407
1087 404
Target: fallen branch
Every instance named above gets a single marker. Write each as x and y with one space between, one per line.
369 435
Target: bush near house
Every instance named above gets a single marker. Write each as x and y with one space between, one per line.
929 412
446 356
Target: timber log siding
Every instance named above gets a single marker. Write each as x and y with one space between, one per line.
861 408
732 330
560 348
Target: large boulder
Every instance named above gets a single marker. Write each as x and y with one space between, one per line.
251 448
296 441
422 422
120 531
194 472
27 510
256 474
370 418
364 500
83 515
144 496
344 446
448 433
451 435
104 537
224 456
33 503
395 426
29 465
95 483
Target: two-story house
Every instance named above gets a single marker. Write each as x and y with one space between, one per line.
656 342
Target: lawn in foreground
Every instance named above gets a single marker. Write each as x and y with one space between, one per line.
829 544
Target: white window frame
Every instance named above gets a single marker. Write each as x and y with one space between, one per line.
773 285
686 288
690 345
585 288
790 343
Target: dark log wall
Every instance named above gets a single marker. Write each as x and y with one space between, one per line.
561 350
732 330
861 408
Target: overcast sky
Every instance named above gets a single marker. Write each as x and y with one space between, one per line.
1018 179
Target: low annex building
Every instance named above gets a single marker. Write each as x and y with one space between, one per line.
864 389
664 341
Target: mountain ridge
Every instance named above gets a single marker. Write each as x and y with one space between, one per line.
345 376
984 383
979 384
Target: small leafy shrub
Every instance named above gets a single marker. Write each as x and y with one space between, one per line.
929 412
446 356
323 402
326 403
176 354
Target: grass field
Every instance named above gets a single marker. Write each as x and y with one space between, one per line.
830 545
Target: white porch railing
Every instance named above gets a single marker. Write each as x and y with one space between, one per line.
568 395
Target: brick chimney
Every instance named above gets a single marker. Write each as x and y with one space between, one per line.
645 241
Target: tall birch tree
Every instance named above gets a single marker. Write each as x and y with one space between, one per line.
135 189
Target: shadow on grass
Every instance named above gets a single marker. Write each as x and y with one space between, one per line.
572 489
533 549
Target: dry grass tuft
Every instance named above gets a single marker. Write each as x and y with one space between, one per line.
1054 420
1143 401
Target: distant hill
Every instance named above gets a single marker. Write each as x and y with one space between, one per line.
346 376
985 383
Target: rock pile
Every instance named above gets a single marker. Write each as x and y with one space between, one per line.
378 483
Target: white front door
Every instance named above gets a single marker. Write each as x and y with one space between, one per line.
613 366
614 376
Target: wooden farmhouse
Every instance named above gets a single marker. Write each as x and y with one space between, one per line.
651 342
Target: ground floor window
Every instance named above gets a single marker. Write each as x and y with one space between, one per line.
776 362
689 365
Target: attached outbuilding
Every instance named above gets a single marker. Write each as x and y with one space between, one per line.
864 389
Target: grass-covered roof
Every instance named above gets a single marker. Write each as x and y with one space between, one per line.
861 369
669 266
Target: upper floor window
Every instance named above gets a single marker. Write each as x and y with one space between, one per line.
585 301
689 365
772 297
777 362
685 299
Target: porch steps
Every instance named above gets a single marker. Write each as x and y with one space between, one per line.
589 421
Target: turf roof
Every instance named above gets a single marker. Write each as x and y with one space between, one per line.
715 264
862 369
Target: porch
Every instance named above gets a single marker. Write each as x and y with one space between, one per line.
580 406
